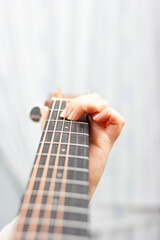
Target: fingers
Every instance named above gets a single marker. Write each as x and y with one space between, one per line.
113 122
109 115
99 111
97 108
44 113
90 104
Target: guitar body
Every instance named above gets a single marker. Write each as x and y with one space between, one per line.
55 204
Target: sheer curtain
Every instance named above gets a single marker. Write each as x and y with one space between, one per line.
109 47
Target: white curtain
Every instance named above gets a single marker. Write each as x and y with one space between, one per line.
109 47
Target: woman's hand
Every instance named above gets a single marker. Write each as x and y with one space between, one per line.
105 127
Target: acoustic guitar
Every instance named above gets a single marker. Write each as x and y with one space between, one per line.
55 204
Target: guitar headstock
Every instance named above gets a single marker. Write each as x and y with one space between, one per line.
57 94
35 113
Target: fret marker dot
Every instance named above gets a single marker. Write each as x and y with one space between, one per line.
66 126
59 175
63 150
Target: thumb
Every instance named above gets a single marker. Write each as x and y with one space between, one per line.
44 113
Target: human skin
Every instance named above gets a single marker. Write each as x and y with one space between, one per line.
105 127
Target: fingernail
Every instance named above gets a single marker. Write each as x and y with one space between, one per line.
63 113
71 115
96 116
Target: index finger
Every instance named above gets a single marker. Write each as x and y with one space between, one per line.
89 104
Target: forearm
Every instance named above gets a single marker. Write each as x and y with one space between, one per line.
7 232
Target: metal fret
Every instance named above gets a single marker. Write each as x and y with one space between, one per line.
62 168
54 208
67 181
68 121
63 155
48 236
71 144
51 222
58 194
78 133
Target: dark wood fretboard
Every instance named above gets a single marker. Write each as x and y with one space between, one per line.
55 205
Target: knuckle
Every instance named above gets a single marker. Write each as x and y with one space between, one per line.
68 105
122 121
80 105
96 95
105 103
76 103
71 103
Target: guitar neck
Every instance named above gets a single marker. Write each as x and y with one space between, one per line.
55 205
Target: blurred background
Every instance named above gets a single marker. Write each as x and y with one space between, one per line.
109 47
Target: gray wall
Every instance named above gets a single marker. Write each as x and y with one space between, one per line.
109 47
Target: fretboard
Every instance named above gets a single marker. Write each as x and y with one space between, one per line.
55 205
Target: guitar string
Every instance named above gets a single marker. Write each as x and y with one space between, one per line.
27 197
51 199
64 184
84 153
39 198
61 202
60 212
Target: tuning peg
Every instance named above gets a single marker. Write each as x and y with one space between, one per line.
35 114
